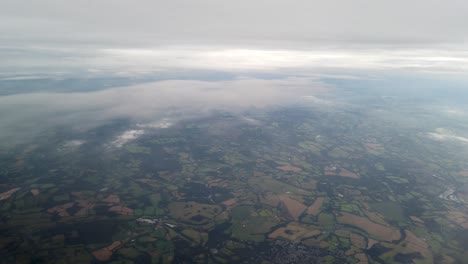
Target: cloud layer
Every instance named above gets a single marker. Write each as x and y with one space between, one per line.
36 61
25 115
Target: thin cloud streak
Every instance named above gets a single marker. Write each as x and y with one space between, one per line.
125 61
247 59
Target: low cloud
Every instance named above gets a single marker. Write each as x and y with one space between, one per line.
127 136
148 104
442 134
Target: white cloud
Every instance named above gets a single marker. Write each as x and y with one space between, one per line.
127 136
146 104
164 123
267 60
318 61
71 145
442 134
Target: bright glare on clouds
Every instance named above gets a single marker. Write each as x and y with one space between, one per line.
245 59
134 62
124 37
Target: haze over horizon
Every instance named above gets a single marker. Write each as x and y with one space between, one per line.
95 37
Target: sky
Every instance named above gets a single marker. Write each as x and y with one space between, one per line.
112 35
124 22
273 51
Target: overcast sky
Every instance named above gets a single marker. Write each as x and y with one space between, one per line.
126 22
89 33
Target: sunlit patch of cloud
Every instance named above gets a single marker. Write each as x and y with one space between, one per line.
127 136
74 143
250 121
315 100
454 112
442 134
238 59
316 61
164 123
71 145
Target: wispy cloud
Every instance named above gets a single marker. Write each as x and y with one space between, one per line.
147 104
442 134
86 61
127 136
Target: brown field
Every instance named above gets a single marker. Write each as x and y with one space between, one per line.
61 210
416 244
150 182
293 207
357 240
351 251
314 208
270 185
371 242
214 182
270 199
289 168
112 199
86 206
342 233
121 210
230 202
411 244
145 180
76 194
463 173
362 258
374 148
104 254
417 221
309 185
186 210
381 232
35 192
294 232
463 196
330 170
312 242
374 217
7 194
337 171
458 217
347 173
